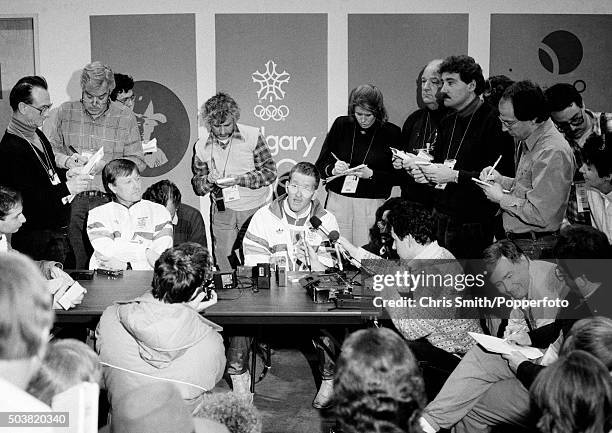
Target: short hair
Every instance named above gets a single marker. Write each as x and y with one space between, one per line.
307 169
117 168
504 248
96 74
67 363
467 68
527 100
593 335
22 90
412 219
574 394
494 89
219 108
598 153
562 95
577 247
9 198
25 308
163 192
378 385
369 97
177 274
123 83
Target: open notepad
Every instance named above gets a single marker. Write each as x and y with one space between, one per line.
498 345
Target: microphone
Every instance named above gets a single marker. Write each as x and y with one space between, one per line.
298 237
317 224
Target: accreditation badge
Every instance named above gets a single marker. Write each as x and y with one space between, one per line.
350 184
231 194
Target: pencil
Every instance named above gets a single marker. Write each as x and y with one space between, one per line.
494 165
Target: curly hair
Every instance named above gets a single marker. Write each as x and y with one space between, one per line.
9 199
412 219
218 109
235 412
467 68
378 385
573 395
123 84
597 151
368 97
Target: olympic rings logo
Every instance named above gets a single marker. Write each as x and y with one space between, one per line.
271 112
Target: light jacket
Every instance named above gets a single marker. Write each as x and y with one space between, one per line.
154 340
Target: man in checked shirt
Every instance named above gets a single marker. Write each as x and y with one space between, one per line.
234 164
82 127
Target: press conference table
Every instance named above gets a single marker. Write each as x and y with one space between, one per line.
288 305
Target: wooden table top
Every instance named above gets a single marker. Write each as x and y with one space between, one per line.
277 305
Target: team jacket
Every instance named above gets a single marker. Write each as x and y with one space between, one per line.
272 234
126 233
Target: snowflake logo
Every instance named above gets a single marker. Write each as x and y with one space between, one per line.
270 82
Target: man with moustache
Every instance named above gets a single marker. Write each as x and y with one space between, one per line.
27 164
577 123
80 129
420 131
534 206
469 139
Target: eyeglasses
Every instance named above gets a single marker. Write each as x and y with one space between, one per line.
127 99
507 124
576 121
42 110
293 189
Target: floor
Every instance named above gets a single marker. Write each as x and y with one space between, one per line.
284 397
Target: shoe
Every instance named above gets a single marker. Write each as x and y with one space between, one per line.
241 385
325 396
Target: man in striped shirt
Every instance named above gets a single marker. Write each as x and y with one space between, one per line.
78 131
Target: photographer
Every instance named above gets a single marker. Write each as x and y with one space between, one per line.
161 335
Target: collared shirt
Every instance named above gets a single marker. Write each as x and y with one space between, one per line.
540 190
263 175
600 205
116 130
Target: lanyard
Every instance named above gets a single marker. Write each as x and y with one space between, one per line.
462 138
353 145
229 150
48 167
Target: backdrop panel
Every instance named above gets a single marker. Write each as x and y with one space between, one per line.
551 49
390 51
275 66
159 52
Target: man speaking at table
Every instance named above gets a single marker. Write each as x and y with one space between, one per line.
278 233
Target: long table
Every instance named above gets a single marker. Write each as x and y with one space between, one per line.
288 305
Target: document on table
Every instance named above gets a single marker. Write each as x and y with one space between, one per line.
499 345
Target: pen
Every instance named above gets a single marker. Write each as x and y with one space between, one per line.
494 165
72 149
334 155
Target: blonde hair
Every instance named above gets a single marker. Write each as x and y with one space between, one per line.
67 363
25 308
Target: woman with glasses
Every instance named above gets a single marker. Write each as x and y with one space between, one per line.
357 163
